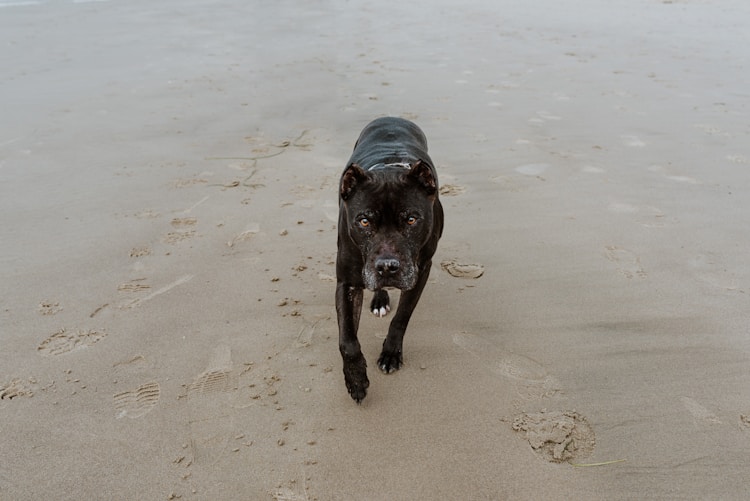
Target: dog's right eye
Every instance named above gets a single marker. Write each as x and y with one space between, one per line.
364 222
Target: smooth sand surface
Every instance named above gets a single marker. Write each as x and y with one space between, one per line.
168 176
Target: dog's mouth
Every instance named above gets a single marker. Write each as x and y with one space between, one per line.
379 275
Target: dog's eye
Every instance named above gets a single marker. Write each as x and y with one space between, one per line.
364 222
411 220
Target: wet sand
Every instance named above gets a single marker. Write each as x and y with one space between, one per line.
168 213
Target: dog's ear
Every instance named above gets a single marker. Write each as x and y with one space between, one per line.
421 172
352 177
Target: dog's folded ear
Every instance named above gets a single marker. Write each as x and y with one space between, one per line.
353 176
422 173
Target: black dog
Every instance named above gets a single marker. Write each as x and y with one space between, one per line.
390 221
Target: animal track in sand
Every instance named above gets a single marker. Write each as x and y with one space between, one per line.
138 402
140 251
183 221
462 270
628 263
63 341
557 436
49 307
174 237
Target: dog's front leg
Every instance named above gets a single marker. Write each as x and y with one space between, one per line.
348 310
391 357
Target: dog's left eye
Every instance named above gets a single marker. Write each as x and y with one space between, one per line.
411 220
364 222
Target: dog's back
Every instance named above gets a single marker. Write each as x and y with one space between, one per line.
390 140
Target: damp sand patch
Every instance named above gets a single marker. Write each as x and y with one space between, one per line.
557 436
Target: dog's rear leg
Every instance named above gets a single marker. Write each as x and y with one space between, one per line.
348 310
391 357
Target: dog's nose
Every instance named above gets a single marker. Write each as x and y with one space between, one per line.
387 266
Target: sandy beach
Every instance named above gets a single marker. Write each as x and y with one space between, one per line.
168 204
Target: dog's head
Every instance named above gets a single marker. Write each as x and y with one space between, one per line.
387 212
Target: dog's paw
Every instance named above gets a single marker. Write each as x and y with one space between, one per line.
381 303
355 376
390 361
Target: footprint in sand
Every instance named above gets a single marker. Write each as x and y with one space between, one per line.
674 177
306 333
506 364
711 130
591 169
451 190
138 402
64 341
557 436
462 270
683 179
699 412
331 210
708 269
287 494
534 170
544 115
15 388
134 286
738 159
248 233
628 263
650 217
210 410
510 184
632 141
532 381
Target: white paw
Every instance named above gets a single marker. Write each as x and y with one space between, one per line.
381 312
